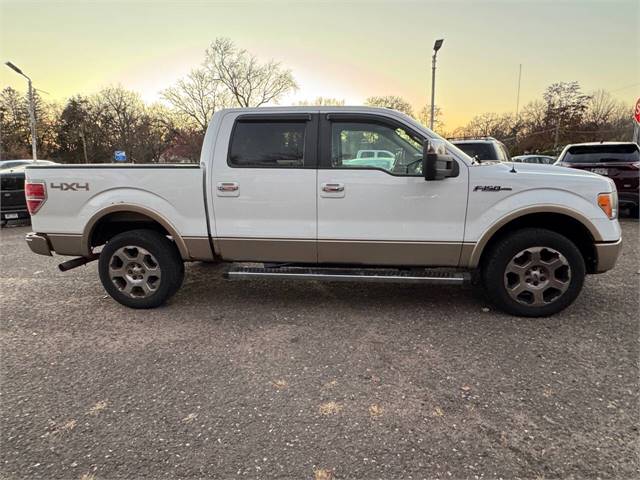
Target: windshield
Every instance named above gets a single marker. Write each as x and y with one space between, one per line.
602 153
481 150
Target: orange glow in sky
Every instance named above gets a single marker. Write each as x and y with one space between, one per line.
347 50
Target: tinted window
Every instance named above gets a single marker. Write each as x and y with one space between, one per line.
396 150
481 151
12 182
602 154
268 144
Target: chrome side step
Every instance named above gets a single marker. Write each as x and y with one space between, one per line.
426 276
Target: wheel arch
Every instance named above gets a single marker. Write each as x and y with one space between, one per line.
115 219
565 221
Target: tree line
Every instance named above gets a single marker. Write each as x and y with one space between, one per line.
90 128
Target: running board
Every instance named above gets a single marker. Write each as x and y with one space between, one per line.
431 276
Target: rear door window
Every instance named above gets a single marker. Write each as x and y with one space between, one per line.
268 144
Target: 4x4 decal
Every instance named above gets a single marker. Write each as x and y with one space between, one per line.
75 186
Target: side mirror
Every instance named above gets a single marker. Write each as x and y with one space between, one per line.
436 164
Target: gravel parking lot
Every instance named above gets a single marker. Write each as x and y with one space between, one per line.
277 379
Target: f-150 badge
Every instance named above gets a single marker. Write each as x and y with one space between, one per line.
490 188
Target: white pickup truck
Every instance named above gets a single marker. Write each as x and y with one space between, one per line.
275 186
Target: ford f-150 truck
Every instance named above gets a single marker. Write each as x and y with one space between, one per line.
276 187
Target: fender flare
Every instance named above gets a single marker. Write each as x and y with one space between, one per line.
129 207
472 254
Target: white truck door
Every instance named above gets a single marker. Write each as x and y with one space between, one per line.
264 188
381 211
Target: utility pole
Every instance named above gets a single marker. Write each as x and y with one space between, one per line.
557 135
84 143
32 110
516 126
32 118
518 94
436 46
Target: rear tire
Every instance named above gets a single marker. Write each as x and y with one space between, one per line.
141 268
533 272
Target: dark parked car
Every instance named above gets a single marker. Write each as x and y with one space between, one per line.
483 149
13 205
619 161
539 159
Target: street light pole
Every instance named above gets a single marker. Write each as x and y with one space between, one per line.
436 47
32 110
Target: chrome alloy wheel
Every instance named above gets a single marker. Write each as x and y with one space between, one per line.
537 276
134 271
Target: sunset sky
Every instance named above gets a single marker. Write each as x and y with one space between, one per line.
348 50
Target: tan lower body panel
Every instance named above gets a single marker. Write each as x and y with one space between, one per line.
67 244
607 254
199 248
365 252
362 252
266 250
466 255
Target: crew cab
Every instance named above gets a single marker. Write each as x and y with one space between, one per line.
275 186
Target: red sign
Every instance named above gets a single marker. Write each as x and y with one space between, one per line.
637 113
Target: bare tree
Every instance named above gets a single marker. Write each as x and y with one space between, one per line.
488 125
603 108
424 117
566 105
14 125
197 97
72 130
390 101
321 101
250 82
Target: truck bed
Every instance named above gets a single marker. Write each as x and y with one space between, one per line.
75 193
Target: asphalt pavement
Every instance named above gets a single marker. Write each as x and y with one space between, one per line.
278 379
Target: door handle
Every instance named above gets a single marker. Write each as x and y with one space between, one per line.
228 186
332 187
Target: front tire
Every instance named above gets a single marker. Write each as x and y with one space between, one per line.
140 268
533 272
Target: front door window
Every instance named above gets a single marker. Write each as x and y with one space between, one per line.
375 146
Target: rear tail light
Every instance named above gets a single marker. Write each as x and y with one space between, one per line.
608 202
36 194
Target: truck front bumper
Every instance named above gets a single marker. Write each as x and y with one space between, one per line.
607 255
38 243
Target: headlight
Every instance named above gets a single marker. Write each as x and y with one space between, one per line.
608 202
